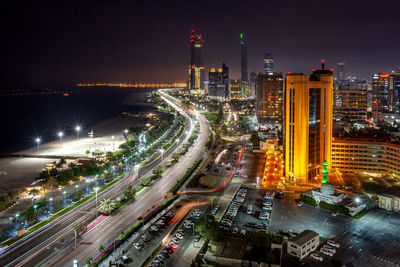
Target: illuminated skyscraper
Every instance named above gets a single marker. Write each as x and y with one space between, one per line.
350 98
382 88
268 63
308 124
341 71
269 98
196 66
243 64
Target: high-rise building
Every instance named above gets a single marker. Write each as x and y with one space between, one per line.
243 61
341 71
225 79
196 66
382 88
235 91
268 63
396 88
269 98
308 124
218 82
253 81
239 90
350 100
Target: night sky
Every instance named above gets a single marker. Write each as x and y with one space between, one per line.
61 43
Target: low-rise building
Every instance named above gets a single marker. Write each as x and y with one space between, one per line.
370 155
303 244
390 199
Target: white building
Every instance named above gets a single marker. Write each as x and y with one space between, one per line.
327 193
303 244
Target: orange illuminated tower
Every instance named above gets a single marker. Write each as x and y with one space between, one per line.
307 124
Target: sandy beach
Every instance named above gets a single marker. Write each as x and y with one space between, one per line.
20 172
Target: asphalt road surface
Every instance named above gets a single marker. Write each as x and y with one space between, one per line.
53 237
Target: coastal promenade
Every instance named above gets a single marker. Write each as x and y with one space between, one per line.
20 172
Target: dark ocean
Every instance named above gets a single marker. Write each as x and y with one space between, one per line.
24 118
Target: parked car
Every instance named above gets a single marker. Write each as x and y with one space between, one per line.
197 238
326 252
137 246
316 256
243 232
235 230
178 235
175 240
250 209
331 249
333 243
145 238
300 204
336 213
124 259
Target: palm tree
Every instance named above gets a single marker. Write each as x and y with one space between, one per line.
107 206
34 192
87 153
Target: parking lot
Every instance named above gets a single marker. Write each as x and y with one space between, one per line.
248 211
374 240
152 239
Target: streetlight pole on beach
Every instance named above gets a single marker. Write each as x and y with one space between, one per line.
37 143
77 129
60 134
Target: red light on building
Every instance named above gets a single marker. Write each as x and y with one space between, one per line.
384 75
313 69
289 72
323 60
332 70
192 31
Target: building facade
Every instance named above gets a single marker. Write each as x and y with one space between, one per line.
269 98
308 124
350 100
375 156
303 244
243 61
268 63
218 82
341 71
196 66
382 88
389 200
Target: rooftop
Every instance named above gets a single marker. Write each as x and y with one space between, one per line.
304 237
392 191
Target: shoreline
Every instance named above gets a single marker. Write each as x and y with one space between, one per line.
20 172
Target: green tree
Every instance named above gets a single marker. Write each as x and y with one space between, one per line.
53 183
157 171
101 248
34 192
79 227
128 191
109 177
88 260
107 206
145 180
87 153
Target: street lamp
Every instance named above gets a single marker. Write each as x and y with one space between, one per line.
77 129
357 200
16 216
60 134
37 143
162 154
96 189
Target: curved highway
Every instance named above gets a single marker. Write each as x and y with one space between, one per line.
46 244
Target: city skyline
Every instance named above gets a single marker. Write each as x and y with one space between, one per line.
64 44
